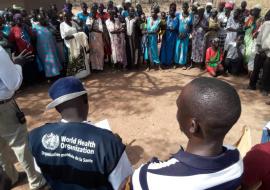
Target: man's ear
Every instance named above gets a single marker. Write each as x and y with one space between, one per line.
195 127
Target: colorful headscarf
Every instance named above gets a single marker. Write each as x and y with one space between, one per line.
17 16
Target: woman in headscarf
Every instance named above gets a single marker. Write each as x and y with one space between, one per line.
118 42
169 37
47 52
182 43
22 36
213 28
95 27
252 26
152 29
233 26
77 66
104 16
198 41
223 19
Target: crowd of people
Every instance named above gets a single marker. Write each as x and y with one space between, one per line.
64 47
221 40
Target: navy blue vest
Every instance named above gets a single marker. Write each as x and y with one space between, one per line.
75 156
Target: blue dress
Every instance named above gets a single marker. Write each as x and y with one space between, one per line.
47 52
181 49
169 41
82 18
151 50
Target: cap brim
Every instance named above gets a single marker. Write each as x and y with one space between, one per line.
64 98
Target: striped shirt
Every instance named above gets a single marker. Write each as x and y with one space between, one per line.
191 172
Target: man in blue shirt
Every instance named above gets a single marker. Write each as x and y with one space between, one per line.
73 153
207 110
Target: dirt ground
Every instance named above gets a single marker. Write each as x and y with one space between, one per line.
140 107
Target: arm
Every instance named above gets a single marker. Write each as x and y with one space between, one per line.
10 73
120 172
207 56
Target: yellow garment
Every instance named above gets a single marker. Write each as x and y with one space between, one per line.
213 24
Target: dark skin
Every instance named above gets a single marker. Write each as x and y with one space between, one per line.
131 12
112 18
75 110
42 20
172 14
243 5
236 17
205 137
94 13
221 7
67 19
154 15
185 14
84 9
194 130
208 9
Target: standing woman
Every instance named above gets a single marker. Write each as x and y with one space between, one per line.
47 53
77 66
252 26
200 26
96 40
118 42
152 29
169 38
185 25
22 36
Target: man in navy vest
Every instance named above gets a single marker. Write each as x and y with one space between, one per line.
73 153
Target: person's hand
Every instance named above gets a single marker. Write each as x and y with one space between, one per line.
23 57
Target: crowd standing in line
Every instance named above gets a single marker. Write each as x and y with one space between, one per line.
73 153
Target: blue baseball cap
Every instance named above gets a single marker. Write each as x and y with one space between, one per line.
65 89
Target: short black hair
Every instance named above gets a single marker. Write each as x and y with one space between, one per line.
215 104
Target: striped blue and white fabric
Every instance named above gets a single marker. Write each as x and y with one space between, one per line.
191 172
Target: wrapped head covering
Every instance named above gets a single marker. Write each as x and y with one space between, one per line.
257 6
229 5
17 16
209 4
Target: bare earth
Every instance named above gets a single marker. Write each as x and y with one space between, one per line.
140 107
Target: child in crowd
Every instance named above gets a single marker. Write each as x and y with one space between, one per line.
163 23
234 56
214 58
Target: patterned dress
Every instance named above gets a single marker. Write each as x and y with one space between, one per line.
198 40
96 43
118 42
182 43
48 57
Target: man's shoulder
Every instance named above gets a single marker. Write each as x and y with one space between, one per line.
73 129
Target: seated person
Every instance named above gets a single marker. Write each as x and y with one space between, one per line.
205 116
214 58
234 56
257 167
73 153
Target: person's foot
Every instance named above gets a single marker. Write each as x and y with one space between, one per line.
175 66
185 67
267 103
251 88
148 69
22 177
264 93
190 67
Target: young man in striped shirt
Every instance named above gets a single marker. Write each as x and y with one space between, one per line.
207 109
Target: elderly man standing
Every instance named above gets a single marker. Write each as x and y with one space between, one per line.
13 131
